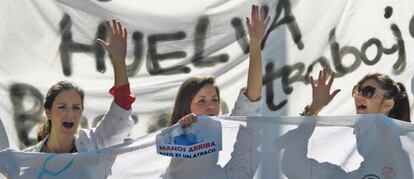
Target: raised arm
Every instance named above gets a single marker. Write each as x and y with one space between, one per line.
117 47
117 123
256 26
321 95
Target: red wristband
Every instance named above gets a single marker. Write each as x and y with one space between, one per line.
122 96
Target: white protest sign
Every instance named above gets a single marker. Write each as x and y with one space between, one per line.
201 138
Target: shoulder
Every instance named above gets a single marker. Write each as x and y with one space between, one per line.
37 147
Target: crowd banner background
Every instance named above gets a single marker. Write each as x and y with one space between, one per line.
358 146
44 41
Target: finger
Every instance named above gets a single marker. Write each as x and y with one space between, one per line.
267 21
324 75
249 26
334 94
119 28
187 122
331 79
125 33
109 27
102 42
312 82
181 122
254 13
320 77
114 27
194 118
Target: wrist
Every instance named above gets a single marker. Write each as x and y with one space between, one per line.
255 42
315 107
309 112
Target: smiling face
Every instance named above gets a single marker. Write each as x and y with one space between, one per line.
65 113
376 104
206 101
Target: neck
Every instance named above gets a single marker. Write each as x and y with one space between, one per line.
59 144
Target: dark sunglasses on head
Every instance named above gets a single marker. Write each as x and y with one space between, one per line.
366 91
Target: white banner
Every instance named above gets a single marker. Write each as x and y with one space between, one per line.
362 146
44 41
201 138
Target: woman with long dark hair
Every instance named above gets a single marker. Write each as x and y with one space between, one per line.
64 105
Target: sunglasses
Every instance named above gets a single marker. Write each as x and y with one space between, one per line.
366 91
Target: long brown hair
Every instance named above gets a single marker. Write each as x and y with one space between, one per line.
393 90
55 90
187 91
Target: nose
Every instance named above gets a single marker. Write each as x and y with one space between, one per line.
211 105
70 113
359 98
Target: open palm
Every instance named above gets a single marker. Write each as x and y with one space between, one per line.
257 24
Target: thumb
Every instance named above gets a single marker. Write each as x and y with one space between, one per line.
334 94
103 43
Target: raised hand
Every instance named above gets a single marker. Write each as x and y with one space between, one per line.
321 91
116 44
257 24
257 27
117 48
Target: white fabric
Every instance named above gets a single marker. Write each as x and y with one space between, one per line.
4 141
281 147
339 33
111 130
245 107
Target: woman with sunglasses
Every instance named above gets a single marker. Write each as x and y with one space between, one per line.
374 94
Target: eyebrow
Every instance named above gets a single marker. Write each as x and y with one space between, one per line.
66 104
206 96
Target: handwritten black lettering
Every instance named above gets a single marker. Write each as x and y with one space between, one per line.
154 58
68 46
401 63
269 75
241 36
288 19
199 45
388 12
135 66
25 118
323 62
338 53
366 45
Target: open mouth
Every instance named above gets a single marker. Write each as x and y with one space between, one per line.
361 107
68 125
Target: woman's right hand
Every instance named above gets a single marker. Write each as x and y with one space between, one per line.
321 91
187 120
